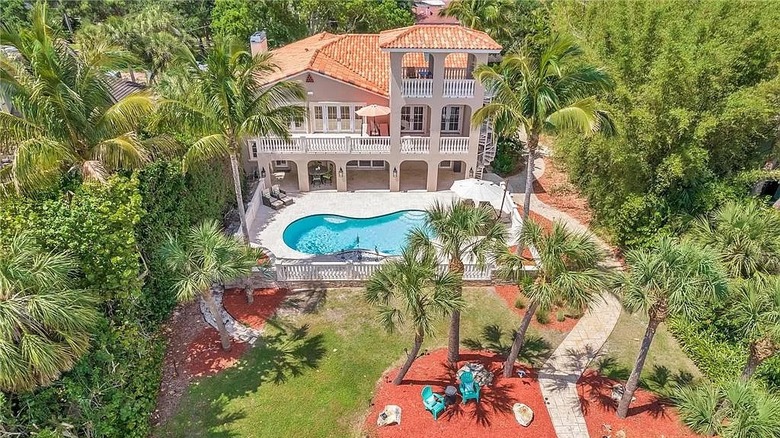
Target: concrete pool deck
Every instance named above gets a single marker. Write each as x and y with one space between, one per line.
268 229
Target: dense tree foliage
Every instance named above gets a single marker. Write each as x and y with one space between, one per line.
66 119
696 99
286 20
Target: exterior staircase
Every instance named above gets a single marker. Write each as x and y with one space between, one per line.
486 152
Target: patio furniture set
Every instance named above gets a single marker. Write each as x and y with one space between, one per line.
276 198
469 389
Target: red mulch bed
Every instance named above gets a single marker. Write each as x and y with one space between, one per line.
554 189
491 417
509 294
194 349
255 314
648 416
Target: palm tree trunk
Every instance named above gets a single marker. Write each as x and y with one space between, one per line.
517 344
132 74
215 311
633 380
750 367
533 143
239 195
453 345
418 340
760 350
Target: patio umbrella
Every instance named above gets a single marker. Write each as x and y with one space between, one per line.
373 111
482 191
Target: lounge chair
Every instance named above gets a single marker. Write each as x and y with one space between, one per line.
469 389
433 402
281 195
270 201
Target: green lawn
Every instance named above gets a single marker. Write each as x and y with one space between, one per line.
666 362
316 373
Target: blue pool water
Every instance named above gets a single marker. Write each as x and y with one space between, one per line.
329 233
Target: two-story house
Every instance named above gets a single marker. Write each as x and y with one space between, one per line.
421 75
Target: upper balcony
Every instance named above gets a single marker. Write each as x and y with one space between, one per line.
420 73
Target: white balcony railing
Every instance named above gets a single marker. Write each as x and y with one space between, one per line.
417 88
324 144
456 73
454 145
458 88
415 145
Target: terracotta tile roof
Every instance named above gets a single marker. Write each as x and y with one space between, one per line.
437 36
358 59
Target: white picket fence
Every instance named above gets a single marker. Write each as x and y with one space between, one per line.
298 270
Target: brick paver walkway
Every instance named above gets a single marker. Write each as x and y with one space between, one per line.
558 376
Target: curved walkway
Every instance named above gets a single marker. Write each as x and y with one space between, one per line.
559 375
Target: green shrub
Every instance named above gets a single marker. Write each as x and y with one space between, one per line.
573 313
520 303
543 316
717 359
112 390
560 316
508 157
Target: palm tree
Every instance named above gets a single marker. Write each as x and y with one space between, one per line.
734 410
204 259
490 16
410 288
671 278
67 118
567 272
223 103
153 35
543 94
756 312
746 236
456 232
45 321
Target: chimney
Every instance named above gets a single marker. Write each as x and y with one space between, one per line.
258 43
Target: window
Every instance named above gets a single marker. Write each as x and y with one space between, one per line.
446 164
253 149
413 118
298 125
450 119
367 164
281 164
319 124
336 118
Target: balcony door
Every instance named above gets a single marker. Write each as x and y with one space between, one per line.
333 117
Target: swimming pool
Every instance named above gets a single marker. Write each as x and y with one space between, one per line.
329 233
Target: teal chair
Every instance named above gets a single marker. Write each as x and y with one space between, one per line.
469 389
433 402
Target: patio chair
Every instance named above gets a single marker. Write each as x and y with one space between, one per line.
316 179
469 389
270 201
281 195
433 402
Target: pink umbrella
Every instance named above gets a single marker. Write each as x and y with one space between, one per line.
373 111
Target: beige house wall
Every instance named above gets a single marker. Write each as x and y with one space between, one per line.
324 89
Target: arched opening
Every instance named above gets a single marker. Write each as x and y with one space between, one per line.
321 175
285 174
413 175
451 171
459 66
368 175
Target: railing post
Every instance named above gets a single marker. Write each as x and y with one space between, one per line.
350 270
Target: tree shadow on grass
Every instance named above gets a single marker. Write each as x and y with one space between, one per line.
288 352
493 338
662 382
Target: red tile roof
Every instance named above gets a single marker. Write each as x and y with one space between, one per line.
358 59
437 37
